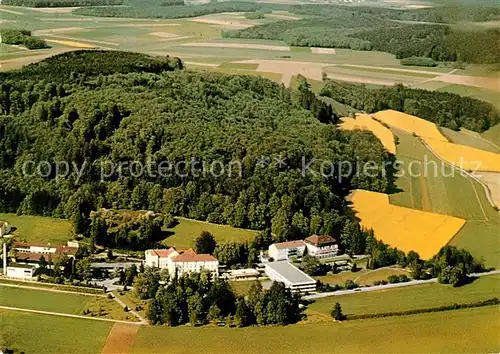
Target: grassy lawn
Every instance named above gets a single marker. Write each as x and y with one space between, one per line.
448 194
39 229
187 230
471 330
413 297
362 277
131 301
62 302
241 287
474 92
36 333
41 285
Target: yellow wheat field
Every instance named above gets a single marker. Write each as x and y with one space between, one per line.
71 43
405 228
465 157
365 122
411 124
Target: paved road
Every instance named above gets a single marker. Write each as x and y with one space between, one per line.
122 304
68 315
387 286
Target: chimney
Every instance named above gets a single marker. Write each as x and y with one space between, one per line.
4 258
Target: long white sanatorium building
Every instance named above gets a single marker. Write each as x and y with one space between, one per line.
182 261
293 278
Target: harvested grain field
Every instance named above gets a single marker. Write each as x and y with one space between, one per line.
491 83
404 228
492 181
410 124
71 43
309 70
121 339
465 157
323 50
54 10
365 122
234 24
59 30
237 45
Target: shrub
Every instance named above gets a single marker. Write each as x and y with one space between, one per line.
393 279
418 61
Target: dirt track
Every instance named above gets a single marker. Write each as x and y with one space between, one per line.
121 339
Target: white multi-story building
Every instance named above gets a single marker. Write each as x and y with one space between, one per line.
21 271
27 252
182 261
322 246
293 278
284 251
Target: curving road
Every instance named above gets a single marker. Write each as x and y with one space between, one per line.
387 286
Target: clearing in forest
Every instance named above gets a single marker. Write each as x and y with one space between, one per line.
404 228
421 127
365 122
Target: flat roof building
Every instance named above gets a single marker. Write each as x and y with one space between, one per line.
293 278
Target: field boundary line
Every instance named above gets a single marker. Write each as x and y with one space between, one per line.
467 174
41 288
69 315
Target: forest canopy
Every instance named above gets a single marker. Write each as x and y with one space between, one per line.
446 109
71 108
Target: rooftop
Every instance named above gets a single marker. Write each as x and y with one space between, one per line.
186 255
320 240
60 249
21 265
291 273
290 244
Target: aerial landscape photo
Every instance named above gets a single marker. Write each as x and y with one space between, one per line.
249 176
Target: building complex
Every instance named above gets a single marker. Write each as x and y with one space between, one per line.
182 261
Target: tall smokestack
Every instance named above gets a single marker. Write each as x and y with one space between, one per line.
4 258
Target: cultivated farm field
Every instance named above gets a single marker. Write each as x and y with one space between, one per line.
187 230
52 334
39 229
74 304
409 298
445 191
405 228
365 122
410 124
416 334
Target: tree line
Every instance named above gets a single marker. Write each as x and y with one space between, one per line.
22 37
70 108
61 3
198 299
445 109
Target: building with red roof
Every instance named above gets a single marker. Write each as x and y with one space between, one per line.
182 261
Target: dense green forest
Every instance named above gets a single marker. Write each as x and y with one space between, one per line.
198 299
446 109
22 37
61 3
361 31
71 108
